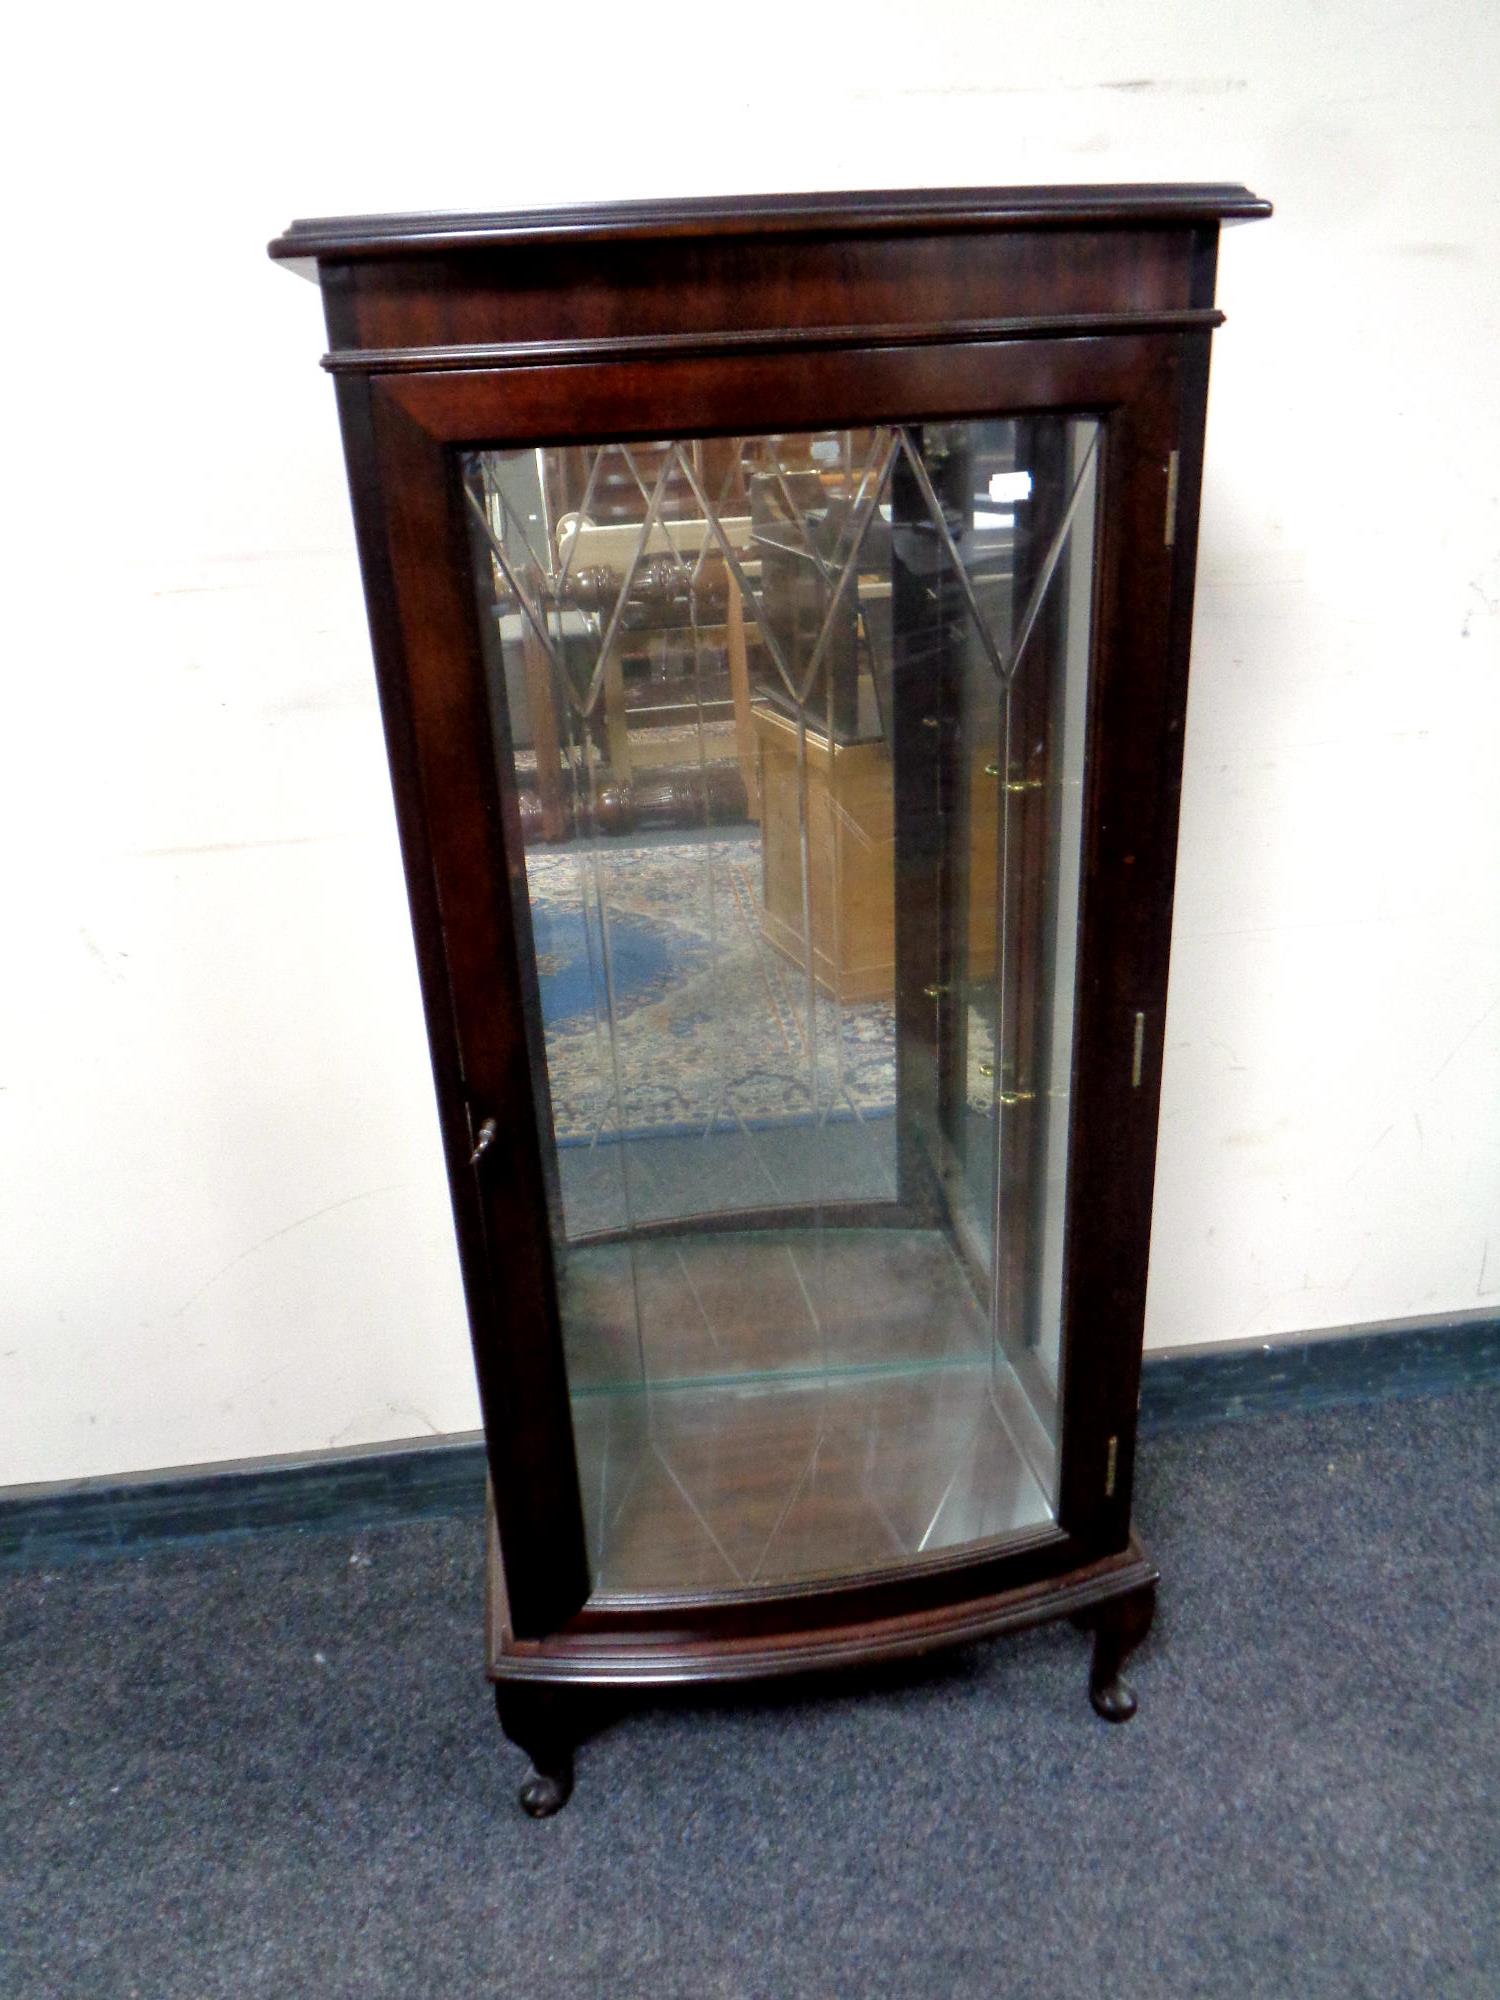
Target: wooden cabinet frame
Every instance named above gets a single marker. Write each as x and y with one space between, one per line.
718 318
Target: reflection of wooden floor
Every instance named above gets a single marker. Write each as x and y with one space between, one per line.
682 1308
760 1482
760 1407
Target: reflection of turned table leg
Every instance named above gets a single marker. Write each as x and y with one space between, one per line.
542 716
739 687
616 730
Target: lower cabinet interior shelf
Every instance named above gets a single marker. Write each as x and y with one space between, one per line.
795 1423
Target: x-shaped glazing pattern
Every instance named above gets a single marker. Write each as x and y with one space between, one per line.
542 596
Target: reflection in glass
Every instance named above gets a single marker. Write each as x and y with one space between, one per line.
795 729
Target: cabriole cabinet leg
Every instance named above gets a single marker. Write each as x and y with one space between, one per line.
535 1720
1118 1628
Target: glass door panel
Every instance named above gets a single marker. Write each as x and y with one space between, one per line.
794 724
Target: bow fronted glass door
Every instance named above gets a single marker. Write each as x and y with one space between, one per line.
791 730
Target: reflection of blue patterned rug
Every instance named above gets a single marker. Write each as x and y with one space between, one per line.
710 1023
642 964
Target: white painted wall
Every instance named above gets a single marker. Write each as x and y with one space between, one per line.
225 1227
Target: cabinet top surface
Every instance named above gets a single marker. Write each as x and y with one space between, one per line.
869 212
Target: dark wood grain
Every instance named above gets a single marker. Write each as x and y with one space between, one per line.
818 1632
746 290
848 386
873 211
1130 778
745 340
501 1205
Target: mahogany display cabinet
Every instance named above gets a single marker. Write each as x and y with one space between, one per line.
781 611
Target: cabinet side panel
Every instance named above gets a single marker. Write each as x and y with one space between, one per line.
1133 781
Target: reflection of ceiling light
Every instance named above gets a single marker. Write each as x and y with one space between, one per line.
1010 485
984 520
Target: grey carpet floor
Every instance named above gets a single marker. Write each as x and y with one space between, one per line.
272 1768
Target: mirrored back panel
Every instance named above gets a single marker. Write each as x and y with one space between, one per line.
795 726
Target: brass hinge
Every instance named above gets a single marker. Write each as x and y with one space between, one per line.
1109 1468
1016 784
1006 1097
1171 530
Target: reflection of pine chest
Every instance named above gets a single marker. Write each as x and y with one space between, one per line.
851 849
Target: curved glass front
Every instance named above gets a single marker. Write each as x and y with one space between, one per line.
795 726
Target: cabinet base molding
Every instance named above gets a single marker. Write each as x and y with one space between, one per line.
552 1693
